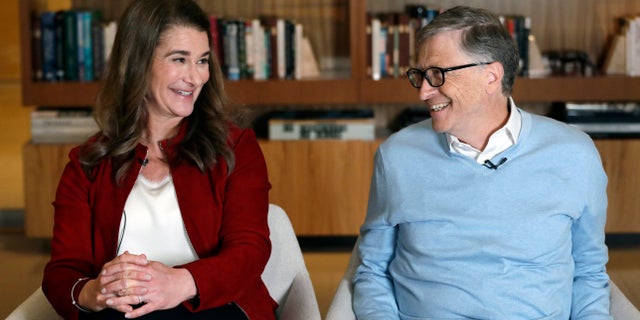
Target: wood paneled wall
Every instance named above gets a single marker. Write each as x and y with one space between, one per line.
14 119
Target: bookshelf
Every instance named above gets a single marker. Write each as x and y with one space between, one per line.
323 185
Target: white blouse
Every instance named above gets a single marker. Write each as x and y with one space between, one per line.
152 224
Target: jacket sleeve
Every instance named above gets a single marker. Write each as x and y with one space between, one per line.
591 282
71 249
373 296
233 273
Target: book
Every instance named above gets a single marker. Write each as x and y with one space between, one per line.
85 46
322 125
71 45
49 52
376 49
67 125
60 41
270 23
633 46
36 44
231 58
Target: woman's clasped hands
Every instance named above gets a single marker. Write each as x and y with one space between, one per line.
132 280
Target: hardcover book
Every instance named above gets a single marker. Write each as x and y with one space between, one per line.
322 125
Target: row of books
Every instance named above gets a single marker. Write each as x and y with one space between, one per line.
74 45
391 47
604 119
70 45
262 48
623 57
391 39
62 125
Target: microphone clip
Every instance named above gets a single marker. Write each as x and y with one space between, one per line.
494 166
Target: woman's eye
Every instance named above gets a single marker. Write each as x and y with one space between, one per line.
181 60
204 61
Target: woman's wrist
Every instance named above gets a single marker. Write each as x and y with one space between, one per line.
75 301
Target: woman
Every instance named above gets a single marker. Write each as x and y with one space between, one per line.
163 213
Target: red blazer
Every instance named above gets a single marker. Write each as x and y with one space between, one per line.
225 216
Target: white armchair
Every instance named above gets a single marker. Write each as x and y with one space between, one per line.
340 309
285 275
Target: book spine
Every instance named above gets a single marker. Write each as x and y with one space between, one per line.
271 29
215 38
289 49
71 46
87 45
321 130
403 43
49 59
281 56
60 41
375 49
241 43
369 49
297 51
231 50
80 45
382 49
36 44
97 48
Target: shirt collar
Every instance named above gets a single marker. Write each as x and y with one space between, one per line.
498 142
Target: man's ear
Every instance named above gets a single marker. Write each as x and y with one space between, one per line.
494 75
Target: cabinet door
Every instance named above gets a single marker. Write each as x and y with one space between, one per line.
323 185
43 165
620 158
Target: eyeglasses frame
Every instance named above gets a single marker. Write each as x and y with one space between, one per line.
423 73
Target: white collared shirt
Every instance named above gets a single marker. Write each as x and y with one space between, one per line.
499 141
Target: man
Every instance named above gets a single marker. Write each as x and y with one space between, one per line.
484 211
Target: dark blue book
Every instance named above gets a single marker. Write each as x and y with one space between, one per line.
71 45
49 58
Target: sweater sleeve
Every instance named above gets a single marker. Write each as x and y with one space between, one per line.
590 285
373 296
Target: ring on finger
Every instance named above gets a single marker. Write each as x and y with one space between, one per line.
140 300
122 292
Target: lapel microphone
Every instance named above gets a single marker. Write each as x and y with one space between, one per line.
494 166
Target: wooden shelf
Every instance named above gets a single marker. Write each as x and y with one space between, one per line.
365 91
526 90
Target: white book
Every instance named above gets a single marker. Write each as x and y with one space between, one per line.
280 38
633 47
322 129
109 37
375 49
259 51
297 42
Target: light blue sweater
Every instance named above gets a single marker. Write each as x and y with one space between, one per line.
448 238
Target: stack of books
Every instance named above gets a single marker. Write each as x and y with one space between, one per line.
605 119
64 125
322 125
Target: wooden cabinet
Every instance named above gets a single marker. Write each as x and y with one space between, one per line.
324 185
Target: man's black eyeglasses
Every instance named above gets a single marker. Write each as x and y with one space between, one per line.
434 75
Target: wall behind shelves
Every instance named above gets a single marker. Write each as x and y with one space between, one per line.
14 118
